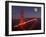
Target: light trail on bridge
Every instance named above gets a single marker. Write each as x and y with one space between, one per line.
26 22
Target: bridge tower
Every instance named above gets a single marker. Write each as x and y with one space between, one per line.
21 17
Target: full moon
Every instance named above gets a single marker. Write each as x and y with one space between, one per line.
35 9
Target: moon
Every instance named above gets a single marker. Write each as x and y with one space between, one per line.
35 9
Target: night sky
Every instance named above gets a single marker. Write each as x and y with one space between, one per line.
28 11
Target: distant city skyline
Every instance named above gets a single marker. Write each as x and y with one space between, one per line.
28 11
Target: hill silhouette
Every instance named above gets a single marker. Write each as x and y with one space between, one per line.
33 25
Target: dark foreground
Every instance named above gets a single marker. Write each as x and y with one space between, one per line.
34 25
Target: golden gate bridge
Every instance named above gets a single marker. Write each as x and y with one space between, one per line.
22 19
